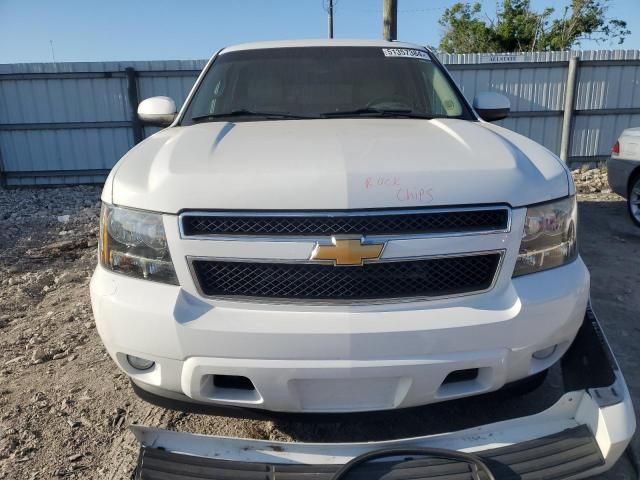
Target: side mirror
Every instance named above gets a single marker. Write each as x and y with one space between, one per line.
491 106
159 111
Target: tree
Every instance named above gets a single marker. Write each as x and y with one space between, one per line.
518 28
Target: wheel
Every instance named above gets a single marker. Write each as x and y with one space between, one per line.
633 200
526 385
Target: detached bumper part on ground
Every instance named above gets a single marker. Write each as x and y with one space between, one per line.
582 434
555 456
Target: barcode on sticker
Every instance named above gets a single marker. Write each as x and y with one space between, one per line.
404 52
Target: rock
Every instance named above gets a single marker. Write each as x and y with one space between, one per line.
119 422
14 360
593 180
68 277
38 397
63 218
74 424
75 458
39 355
62 245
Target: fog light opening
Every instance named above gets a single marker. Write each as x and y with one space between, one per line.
545 352
461 376
233 381
140 363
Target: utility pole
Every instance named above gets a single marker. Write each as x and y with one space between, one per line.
390 20
330 17
567 119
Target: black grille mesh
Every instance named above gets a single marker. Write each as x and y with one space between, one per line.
375 224
418 278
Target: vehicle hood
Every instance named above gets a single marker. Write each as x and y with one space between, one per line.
335 164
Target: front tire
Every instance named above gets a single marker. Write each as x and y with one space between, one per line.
633 200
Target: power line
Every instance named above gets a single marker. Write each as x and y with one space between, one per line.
351 8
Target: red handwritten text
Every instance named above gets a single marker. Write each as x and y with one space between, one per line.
377 182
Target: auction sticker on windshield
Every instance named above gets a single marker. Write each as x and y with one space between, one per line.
404 52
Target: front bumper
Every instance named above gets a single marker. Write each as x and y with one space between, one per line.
338 359
583 434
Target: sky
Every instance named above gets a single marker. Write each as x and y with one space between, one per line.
93 30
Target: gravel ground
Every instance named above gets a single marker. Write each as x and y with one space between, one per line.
65 408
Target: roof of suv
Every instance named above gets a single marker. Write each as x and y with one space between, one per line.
321 43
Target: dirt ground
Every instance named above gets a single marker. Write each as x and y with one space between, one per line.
65 408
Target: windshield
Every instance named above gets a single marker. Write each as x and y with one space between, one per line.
324 82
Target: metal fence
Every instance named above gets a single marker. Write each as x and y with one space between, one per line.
68 123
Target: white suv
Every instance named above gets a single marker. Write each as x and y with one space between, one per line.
328 226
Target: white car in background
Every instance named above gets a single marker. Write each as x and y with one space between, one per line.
330 227
623 170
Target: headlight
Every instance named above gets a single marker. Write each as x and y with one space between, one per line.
549 237
134 243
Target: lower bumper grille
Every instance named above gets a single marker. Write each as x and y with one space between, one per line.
431 277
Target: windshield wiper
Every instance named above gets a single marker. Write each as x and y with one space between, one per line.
243 112
378 112
365 111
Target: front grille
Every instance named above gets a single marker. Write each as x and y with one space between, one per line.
340 223
431 277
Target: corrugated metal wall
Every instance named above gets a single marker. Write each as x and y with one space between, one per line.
607 98
535 86
70 122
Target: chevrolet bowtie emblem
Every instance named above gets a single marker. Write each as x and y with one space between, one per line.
346 252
